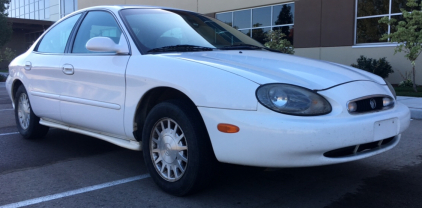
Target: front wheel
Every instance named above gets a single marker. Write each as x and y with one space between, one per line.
26 121
177 149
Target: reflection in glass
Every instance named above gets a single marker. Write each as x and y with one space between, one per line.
246 32
373 7
41 4
225 17
242 19
261 17
288 31
283 14
260 34
396 5
369 30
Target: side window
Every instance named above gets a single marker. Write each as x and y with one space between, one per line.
96 24
55 40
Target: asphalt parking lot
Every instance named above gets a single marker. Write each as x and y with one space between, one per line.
70 170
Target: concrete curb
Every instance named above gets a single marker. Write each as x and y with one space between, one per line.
414 104
416 113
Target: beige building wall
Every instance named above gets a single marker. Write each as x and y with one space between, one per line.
191 5
348 55
201 6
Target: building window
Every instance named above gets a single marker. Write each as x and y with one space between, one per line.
29 9
257 22
369 12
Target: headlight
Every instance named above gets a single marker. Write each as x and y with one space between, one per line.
391 89
292 100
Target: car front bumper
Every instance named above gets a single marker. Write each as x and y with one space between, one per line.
269 139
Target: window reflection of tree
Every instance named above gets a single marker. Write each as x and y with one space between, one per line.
373 7
370 31
285 17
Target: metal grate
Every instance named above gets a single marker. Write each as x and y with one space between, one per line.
365 104
357 149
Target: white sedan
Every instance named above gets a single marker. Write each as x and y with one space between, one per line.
189 90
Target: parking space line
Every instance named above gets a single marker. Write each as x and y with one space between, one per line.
9 133
74 192
6 109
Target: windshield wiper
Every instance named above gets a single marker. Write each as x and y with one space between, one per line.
241 46
180 48
246 47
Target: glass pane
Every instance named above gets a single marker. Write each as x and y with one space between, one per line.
96 24
370 31
36 6
242 19
246 32
31 7
46 3
225 17
37 14
42 14
396 5
260 34
288 31
55 40
47 13
283 14
68 7
31 15
22 11
373 7
41 4
261 17
27 9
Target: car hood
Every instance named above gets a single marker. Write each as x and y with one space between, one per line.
265 67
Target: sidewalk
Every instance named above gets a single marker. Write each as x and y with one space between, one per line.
414 104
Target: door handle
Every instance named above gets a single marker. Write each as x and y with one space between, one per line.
28 65
68 69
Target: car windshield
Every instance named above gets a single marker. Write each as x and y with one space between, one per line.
163 30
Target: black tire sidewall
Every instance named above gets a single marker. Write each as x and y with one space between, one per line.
188 122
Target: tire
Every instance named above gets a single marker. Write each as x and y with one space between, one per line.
187 162
26 121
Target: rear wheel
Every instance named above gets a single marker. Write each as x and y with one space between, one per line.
177 149
26 121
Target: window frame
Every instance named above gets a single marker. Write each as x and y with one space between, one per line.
72 42
35 50
251 13
389 15
75 29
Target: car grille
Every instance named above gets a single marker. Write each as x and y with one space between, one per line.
365 105
359 149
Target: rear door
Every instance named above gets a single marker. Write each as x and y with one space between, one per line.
43 68
93 93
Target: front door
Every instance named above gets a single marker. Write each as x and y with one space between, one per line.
93 94
44 71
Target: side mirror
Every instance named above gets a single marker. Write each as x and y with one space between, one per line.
106 44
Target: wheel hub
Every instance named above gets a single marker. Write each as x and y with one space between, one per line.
24 111
168 148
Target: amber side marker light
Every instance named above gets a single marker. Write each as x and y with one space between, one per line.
227 128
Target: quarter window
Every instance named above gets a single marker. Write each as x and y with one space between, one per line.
369 12
257 22
96 24
56 39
